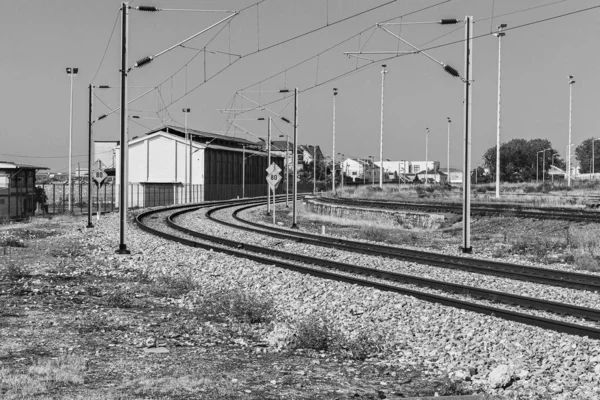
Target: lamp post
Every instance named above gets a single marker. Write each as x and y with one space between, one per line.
426 167
499 35
186 111
383 72
341 173
314 169
448 160
571 82
553 154
72 72
294 218
537 166
335 92
372 170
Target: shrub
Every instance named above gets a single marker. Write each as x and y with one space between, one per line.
223 304
374 234
119 299
362 346
15 272
315 334
586 262
168 286
65 369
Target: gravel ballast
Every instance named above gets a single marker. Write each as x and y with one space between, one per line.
440 339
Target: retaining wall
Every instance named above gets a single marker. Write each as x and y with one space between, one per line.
404 219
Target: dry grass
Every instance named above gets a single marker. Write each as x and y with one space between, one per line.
67 369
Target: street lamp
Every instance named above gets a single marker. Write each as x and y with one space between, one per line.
537 165
72 72
553 154
335 92
571 82
383 72
426 167
499 35
186 111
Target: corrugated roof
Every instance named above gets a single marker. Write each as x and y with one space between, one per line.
208 135
24 166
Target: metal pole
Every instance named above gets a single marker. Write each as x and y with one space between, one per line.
90 138
287 170
544 166
426 156
333 151
243 170
571 82
268 165
537 166
70 140
383 72
314 169
466 247
448 160
499 36
593 140
124 134
294 223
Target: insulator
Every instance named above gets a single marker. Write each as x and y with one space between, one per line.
286 120
102 117
449 21
103 87
451 71
147 8
143 61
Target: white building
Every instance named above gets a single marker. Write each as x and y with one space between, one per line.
159 164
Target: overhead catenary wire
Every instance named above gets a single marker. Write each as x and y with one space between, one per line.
112 32
347 73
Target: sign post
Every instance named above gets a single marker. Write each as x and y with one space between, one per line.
99 176
273 179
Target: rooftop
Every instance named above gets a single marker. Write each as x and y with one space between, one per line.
13 165
201 136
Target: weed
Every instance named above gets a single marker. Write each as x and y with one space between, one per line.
315 334
362 346
70 249
586 262
19 386
586 239
64 369
15 272
98 322
373 234
13 242
169 286
223 304
119 299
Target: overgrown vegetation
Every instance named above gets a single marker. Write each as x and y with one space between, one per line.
236 304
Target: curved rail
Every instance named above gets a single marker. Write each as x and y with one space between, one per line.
560 326
518 210
573 280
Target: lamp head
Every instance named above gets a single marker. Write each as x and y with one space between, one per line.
72 71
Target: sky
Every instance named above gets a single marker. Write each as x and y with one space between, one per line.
42 38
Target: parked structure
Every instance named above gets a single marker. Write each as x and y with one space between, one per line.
433 176
456 175
17 189
407 167
157 163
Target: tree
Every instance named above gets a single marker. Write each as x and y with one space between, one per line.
520 160
583 154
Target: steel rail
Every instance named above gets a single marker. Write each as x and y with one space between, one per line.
572 280
546 323
518 210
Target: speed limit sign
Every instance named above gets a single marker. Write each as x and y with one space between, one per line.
99 176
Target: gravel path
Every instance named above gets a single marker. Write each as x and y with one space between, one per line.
441 340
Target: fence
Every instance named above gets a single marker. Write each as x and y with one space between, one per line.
142 195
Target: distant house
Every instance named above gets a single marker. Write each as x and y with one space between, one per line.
556 173
432 176
17 189
361 169
306 153
456 175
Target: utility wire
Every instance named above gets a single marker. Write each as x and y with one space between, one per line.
107 46
343 75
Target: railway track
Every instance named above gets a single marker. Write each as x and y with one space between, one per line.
517 210
383 279
487 267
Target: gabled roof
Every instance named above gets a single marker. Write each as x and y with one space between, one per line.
13 165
